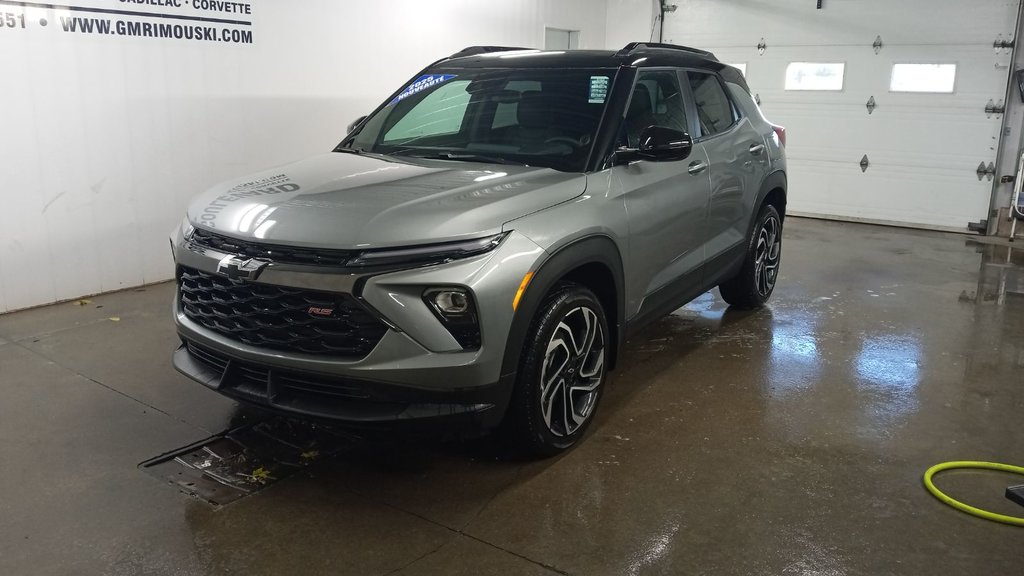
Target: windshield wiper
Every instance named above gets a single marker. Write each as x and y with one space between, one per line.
460 156
359 152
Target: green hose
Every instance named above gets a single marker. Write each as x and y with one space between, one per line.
1013 520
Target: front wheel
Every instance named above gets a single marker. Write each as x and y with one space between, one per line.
561 373
756 280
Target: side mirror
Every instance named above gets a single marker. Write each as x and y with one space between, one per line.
355 123
659 144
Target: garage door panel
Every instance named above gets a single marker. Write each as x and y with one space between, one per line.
923 149
921 199
714 24
917 133
980 71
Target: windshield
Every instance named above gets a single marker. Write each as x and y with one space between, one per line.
532 116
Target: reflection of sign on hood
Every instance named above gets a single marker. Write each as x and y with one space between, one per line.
420 84
269 185
263 186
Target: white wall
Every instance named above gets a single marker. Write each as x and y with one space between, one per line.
631 21
103 139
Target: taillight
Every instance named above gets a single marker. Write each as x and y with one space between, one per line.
781 133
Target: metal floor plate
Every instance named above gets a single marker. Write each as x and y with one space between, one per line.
244 460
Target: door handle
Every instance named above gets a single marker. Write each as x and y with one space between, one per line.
756 149
697 167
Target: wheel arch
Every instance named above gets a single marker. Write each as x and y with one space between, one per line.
594 262
772 191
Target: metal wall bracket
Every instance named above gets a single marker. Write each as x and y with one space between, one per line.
1002 45
992 108
871 105
981 226
864 163
983 171
877 44
761 47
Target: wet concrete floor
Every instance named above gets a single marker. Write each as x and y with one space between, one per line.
790 440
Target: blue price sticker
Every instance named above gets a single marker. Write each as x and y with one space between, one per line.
598 89
420 84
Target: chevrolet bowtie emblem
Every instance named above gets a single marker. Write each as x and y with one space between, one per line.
241 268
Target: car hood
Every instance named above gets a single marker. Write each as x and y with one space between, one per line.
346 201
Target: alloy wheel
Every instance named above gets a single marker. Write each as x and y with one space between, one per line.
767 255
572 371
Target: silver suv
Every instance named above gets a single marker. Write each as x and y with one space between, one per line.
476 251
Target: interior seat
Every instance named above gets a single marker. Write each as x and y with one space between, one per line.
640 115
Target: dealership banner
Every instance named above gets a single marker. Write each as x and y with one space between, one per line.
215 21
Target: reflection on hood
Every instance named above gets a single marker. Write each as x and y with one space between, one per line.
347 201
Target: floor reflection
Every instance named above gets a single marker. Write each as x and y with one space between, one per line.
1001 275
890 361
795 359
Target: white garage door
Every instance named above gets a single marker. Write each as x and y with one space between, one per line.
928 131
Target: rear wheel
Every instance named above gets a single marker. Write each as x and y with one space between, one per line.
756 280
561 373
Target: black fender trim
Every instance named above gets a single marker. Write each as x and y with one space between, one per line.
773 180
598 249
776 179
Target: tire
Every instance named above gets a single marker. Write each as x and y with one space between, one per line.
756 280
537 422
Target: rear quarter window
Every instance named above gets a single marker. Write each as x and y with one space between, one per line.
715 111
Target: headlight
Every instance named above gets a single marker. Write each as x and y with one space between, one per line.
429 254
187 229
454 307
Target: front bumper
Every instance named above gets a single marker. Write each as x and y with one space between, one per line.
416 374
341 400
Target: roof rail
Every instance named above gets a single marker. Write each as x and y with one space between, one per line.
475 50
628 48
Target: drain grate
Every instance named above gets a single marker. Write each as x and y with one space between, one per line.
244 460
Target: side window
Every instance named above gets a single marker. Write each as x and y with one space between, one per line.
657 101
440 112
714 110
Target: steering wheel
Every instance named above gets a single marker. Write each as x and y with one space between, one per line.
564 140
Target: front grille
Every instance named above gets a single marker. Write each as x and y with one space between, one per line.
279 317
271 252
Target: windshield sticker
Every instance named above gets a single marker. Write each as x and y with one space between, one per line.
598 89
421 84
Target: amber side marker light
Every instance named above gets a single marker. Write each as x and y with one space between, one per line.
522 288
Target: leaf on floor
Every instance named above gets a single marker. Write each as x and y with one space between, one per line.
259 475
115 318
